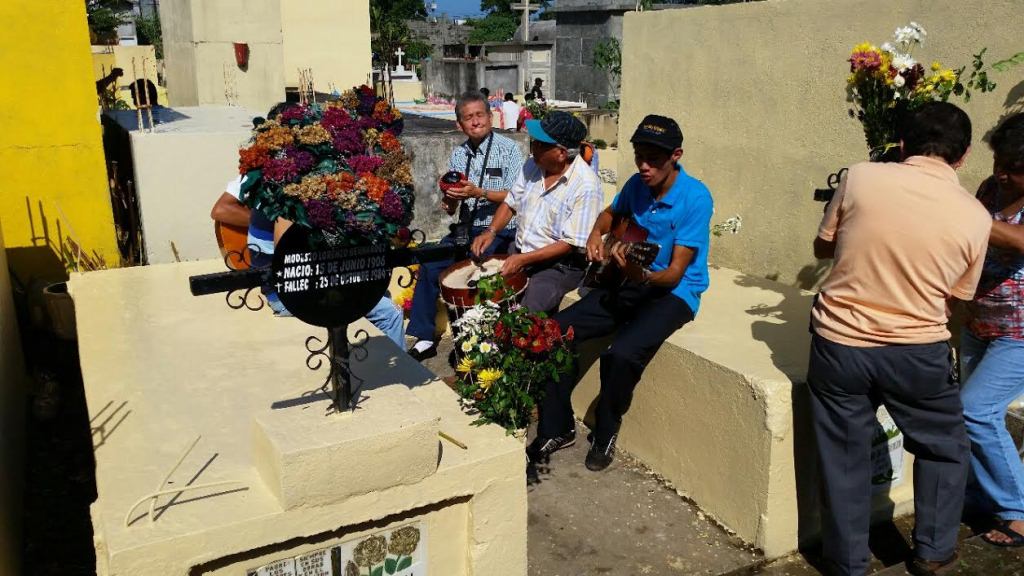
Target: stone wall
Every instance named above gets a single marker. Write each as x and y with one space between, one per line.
430 142
200 56
759 90
450 77
581 26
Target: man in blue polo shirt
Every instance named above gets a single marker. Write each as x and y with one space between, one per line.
675 208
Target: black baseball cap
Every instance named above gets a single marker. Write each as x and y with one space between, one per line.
660 131
559 128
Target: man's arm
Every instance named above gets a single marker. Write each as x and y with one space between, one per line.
1009 236
824 249
501 219
228 210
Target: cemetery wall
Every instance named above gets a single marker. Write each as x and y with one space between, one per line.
12 416
580 28
199 51
330 37
759 89
52 175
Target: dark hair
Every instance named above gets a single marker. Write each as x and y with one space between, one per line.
274 111
936 129
468 98
485 92
1007 141
138 86
538 81
509 96
530 96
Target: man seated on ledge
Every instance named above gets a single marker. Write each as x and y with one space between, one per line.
675 208
556 199
490 164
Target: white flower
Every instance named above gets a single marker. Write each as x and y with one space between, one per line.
899 81
888 47
912 34
486 347
467 347
902 62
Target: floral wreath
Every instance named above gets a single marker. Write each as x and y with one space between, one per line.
336 168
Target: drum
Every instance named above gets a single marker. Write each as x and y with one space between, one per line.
458 288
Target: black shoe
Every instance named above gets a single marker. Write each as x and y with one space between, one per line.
920 567
541 448
421 355
601 454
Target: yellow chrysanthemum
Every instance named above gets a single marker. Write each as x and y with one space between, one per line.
465 366
489 376
936 66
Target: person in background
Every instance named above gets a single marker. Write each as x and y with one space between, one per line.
907 240
486 92
151 96
510 112
536 90
992 345
524 113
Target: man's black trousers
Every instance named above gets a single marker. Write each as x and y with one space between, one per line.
642 317
913 382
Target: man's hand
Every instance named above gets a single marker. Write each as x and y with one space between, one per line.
513 264
595 247
633 272
482 242
465 192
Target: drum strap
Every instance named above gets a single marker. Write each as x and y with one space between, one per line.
480 182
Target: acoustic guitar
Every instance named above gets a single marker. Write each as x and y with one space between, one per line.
638 251
233 240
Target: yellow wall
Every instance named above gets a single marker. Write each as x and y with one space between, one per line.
106 58
331 37
759 89
52 173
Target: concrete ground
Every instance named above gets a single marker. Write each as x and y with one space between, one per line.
626 522
619 522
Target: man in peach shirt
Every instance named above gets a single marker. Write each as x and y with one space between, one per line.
907 239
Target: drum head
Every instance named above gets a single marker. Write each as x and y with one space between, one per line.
327 287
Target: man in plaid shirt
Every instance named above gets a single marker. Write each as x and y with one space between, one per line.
556 199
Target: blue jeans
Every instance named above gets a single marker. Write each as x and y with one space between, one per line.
389 320
428 285
992 373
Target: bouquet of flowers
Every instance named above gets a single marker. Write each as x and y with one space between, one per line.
506 355
886 81
337 168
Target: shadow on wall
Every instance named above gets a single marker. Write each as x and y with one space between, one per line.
1013 104
53 253
780 331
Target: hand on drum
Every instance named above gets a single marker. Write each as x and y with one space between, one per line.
513 264
481 243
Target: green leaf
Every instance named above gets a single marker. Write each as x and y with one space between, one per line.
378 571
389 565
405 563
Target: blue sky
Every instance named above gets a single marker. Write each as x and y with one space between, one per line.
458 7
